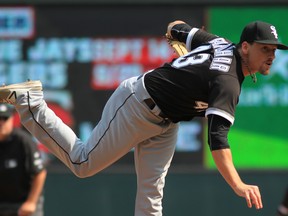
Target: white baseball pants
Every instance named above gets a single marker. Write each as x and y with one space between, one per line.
126 122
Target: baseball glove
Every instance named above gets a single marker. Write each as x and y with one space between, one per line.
178 47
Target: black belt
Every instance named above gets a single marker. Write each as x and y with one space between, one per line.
151 104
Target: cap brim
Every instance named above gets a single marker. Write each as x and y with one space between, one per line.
279 45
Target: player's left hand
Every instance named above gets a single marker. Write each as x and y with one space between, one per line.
251 193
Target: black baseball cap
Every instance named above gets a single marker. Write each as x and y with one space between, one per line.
6 110
261 32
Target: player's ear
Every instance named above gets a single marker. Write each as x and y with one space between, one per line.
245 47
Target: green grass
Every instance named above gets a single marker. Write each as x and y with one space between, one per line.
251 150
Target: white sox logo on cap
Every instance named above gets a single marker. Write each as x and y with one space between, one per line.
274 31
261 32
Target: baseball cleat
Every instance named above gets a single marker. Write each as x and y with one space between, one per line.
9 93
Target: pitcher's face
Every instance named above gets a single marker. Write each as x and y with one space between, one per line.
260 57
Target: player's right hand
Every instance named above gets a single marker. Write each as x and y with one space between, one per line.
251 193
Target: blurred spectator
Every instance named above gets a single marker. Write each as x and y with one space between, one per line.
22 173
283 207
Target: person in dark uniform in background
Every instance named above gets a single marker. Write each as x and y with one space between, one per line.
283 207
22 173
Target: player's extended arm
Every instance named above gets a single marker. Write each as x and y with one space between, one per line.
178 30
29 206
187 36
224 163
178 46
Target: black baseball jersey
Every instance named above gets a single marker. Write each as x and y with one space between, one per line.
205 81
20 160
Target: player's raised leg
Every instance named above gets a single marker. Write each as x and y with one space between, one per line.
125 123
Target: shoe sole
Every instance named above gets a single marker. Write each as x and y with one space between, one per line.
8 92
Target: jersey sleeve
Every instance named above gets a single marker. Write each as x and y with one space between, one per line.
223 97
197 37
192 37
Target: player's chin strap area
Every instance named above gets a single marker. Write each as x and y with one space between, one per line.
253 76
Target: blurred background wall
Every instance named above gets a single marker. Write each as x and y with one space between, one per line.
81 50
